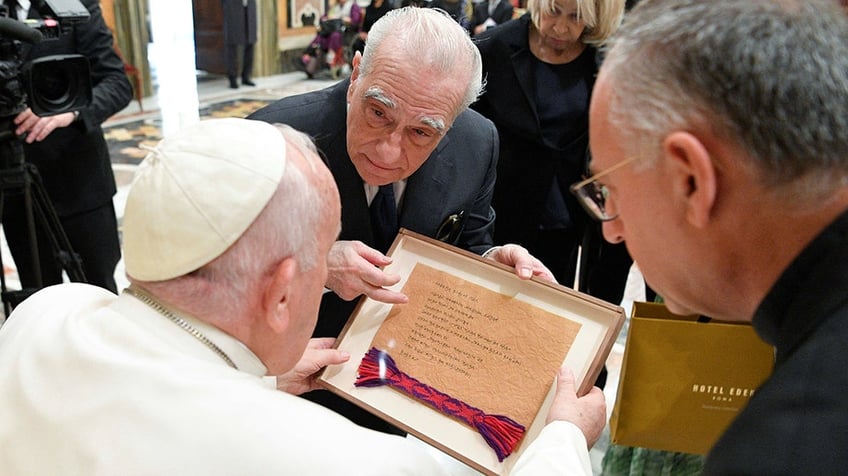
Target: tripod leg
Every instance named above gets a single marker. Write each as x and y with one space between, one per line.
32 237
59 243
27 216
20 228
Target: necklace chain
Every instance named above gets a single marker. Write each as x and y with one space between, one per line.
156 306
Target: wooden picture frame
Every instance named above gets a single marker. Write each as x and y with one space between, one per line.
596 325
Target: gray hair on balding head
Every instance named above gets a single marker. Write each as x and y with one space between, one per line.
431 39
768 75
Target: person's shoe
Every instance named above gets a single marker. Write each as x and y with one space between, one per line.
233 83
247 82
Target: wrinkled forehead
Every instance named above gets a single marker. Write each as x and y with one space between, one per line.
426 93
417 65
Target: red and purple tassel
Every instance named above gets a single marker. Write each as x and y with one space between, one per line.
500 432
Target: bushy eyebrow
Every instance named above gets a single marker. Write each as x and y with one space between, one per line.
378 95
437 124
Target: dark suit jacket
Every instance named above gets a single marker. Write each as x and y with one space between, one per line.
74 161
459 176
239 22
503 13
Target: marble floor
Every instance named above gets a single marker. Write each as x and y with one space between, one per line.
174 109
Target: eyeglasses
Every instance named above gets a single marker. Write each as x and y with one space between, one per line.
593 195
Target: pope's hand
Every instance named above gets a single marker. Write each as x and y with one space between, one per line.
319 353
588 412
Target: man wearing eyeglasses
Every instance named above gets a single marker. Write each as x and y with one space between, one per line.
400 141
719 135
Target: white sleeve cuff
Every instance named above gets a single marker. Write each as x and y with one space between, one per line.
560 448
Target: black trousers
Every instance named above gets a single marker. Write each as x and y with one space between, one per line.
93 235
231 58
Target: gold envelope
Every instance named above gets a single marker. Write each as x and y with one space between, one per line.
683 381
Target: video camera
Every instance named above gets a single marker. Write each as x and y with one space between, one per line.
49 85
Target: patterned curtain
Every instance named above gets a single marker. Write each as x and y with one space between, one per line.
132 34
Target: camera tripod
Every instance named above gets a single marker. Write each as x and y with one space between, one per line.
17 176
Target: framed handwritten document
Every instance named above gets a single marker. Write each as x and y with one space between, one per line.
468 364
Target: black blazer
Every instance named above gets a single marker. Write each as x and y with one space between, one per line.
74 161
459 176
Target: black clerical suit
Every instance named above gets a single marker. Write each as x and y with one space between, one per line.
797 422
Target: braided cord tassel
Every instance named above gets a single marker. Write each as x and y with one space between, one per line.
500 432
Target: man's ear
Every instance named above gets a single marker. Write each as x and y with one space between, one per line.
278 295
693 175
354 66
354 75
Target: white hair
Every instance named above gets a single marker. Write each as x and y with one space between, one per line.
429 38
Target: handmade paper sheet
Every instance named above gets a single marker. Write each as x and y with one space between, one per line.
489 350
